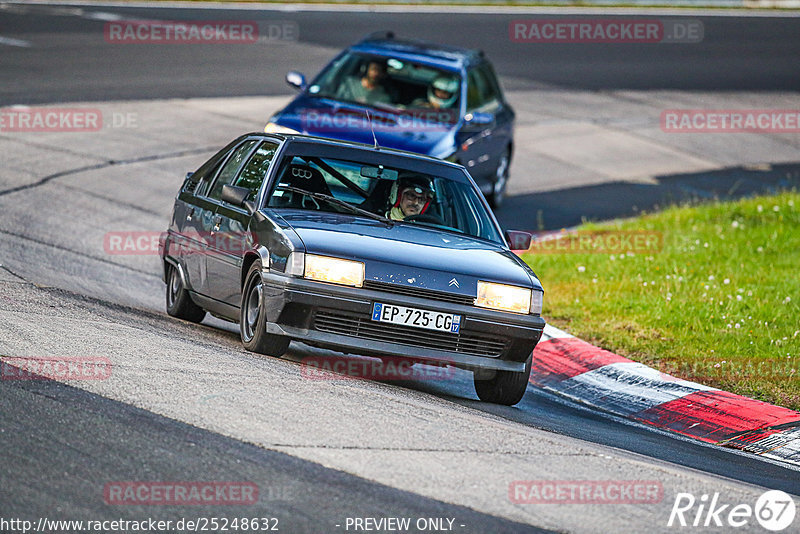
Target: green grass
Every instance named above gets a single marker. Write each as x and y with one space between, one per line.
718 304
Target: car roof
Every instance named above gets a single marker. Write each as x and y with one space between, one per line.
314 140
299 140
385 43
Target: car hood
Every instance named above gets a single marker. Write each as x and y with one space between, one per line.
410 255
315 116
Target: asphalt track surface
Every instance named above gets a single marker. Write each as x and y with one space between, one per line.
62 442
90 440
736 54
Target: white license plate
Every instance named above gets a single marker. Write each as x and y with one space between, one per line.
389 313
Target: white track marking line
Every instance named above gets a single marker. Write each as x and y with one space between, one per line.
102 15
8 41
551 332
626 387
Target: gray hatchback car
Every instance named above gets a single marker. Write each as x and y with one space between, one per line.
360 249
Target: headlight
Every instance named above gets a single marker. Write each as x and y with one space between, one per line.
537 301
334 270
273 127
503 297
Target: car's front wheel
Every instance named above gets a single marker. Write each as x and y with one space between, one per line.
252 319
179 303
505 387
500 180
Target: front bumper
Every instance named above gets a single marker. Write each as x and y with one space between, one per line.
339 317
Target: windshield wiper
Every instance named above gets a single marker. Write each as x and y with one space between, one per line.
335 201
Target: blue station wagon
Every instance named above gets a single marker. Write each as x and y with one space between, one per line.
432 99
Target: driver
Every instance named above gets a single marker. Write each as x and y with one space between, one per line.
442 94
410 195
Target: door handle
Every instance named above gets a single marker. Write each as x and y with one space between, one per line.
191 214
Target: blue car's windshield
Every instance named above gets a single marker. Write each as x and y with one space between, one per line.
401 195
386 82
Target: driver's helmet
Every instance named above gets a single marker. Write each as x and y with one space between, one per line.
443 84
418 183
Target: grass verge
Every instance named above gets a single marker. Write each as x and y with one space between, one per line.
718 304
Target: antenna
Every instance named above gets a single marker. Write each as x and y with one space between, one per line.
372 130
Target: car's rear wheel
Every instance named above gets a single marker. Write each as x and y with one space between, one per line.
505 387
179 303
500 180
252 319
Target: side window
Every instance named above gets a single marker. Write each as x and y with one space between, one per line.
254 172
207 178
228 171
493 82
482 92
207 170
473 90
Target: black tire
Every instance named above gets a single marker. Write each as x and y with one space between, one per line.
179 303
505 387
500 182
252 318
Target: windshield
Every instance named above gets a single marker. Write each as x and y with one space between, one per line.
386 82
396 195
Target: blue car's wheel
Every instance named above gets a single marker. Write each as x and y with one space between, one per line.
500 180
252 320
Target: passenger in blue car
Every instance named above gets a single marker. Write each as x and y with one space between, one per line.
368 89
410 195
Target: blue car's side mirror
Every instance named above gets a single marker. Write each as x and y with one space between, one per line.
296 79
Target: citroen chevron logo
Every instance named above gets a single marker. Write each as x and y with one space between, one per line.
454 282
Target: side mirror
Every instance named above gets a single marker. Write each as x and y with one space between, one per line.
518 240
234 195
296 79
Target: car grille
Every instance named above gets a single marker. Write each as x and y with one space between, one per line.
419 292
357 325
